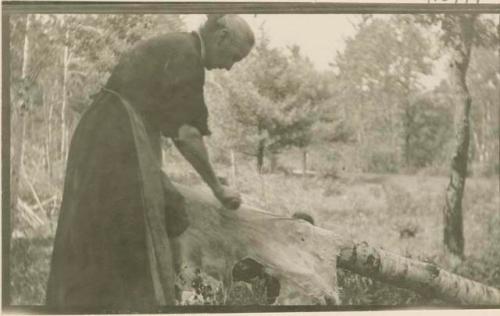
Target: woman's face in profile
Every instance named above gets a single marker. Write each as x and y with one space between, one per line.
224 50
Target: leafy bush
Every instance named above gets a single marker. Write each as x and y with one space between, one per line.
428 128
380 159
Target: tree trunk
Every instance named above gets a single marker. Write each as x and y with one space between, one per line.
304 257
19 125
304 161
260 150
260 156
408 117
360 130
452 210
64 97
25 115
394 132
234 168
49 137
407 134
484 131
273 162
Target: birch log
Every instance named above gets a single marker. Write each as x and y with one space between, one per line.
304 256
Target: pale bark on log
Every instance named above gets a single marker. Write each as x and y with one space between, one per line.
424 278
304 257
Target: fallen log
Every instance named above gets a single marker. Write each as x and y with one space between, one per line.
304 257
427 279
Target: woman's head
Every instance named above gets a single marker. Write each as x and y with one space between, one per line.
227 39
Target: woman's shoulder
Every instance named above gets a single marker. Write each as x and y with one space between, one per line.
174 42
148 58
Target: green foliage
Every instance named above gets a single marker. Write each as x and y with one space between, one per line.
380 159
94 43
483 264
271 99
483 82
197 288
378 74
25 94
450 30
428 128
358 290
253 293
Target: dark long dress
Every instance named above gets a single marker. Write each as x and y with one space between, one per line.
105 255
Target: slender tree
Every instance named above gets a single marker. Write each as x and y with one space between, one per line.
19 110
461 46
66 62
459 34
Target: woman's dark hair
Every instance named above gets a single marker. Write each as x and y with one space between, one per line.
236 26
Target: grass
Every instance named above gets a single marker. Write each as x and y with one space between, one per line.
30 260
397 212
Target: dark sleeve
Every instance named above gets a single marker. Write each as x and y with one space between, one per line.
182 88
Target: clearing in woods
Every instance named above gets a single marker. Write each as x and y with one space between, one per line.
401 213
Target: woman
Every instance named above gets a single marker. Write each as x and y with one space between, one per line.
111 249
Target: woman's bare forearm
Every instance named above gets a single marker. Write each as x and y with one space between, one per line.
192 147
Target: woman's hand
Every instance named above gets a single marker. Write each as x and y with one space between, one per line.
230 198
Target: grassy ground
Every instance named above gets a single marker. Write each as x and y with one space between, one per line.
399 213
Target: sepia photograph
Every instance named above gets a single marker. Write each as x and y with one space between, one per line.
222 159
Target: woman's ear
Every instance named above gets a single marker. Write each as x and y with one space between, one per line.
221 35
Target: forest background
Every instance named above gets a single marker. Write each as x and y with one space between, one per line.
364 146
